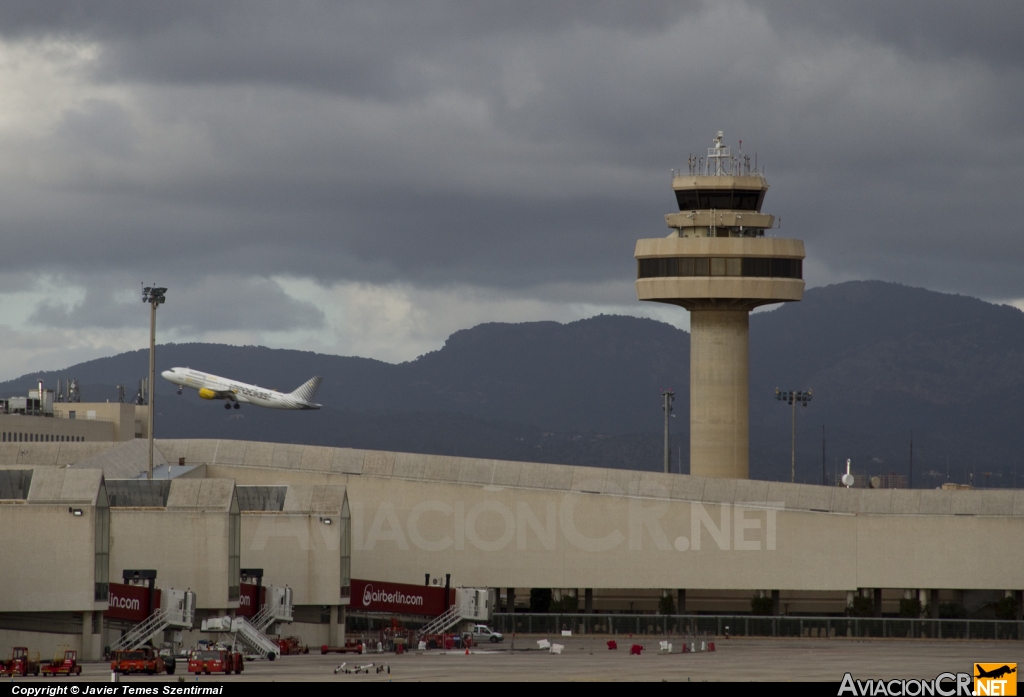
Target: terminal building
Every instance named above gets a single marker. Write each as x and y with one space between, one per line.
313 517
39 418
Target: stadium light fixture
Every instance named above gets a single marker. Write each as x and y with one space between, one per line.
153 296
793 398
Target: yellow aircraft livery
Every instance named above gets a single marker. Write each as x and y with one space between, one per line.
238 393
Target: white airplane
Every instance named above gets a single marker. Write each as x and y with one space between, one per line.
238 393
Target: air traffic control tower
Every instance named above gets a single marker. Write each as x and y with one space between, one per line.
718 264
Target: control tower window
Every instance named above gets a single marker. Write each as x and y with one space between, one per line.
720 199
720 266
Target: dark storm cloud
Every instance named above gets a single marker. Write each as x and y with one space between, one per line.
928 29
103 125
376 49
216 304
515 144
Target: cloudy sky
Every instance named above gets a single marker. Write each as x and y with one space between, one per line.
366 178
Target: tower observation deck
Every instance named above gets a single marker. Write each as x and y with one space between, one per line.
718 264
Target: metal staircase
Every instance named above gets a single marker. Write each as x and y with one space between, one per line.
264 618
254 638
442 623
177 610
142 632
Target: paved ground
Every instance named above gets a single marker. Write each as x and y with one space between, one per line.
588 659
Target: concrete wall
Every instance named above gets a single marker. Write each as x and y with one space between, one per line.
719 393
50 429
188 548
650 247
47 644
128 420
48 454
501 524
47 558
297 550
749 292
106 422
479 520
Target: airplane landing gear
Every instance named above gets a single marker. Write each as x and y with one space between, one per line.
179 391
237 405
227 405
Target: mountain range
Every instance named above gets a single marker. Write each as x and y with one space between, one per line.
886 363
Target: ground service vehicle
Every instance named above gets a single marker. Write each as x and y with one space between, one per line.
448 641
481 632
349 647
292 646
143 660
21 663
68 665
215 661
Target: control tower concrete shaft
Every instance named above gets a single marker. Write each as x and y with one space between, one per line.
718 264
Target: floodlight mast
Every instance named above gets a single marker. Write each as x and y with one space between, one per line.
668 396
793 398
154 296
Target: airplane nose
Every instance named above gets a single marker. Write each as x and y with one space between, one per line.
166 375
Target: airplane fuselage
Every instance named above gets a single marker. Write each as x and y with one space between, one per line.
216 387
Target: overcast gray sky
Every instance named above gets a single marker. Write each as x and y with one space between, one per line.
366 178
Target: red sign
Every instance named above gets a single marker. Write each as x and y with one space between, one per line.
250 599
130 602
403 598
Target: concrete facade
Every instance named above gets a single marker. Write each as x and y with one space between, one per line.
48 556
15 429
302 545
75 422
182 528
718 264
186 540
496 524
719 393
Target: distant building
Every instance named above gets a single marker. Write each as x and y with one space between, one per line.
890 481
73 422
878 481
37 418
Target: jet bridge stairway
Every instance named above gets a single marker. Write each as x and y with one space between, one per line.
178 610
254 638
243 631
442 623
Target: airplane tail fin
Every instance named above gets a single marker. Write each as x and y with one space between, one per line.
307 389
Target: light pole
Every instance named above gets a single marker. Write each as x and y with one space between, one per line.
154 296
668 396
793 398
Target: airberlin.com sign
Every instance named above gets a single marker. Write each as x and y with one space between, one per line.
379 596
130 602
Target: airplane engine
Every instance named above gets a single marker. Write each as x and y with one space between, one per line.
207 393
